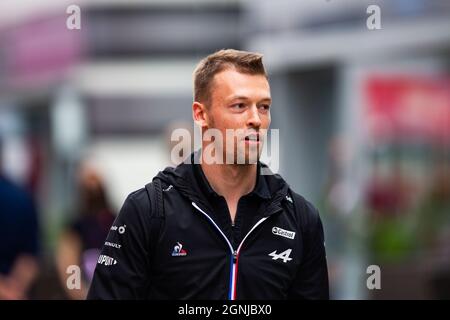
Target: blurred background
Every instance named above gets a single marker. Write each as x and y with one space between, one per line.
364 119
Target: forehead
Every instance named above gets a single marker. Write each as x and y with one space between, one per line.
230 82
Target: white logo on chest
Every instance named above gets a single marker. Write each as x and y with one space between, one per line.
283 233
284 255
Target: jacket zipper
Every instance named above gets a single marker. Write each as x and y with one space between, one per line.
234 253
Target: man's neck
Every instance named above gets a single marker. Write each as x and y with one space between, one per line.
231 181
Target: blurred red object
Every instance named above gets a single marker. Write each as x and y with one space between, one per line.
405 108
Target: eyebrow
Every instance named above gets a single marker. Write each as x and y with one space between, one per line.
246 98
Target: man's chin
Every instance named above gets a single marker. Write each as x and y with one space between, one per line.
247 158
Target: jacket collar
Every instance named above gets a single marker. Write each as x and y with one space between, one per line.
271 188
261 189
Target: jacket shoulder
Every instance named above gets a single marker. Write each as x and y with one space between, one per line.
142 200
305 211
139 199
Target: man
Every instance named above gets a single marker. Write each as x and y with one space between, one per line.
217 230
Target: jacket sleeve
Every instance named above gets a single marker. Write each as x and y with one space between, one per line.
122 270
311 281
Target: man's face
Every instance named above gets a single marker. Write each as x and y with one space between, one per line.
240 102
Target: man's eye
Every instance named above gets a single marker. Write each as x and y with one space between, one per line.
265 106
238 106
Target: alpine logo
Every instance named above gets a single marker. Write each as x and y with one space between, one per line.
106 260
178 250
283 233
283 255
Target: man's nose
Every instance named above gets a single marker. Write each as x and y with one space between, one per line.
254 119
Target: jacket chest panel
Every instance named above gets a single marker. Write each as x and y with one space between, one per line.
193 253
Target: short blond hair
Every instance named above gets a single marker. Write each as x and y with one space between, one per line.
208 67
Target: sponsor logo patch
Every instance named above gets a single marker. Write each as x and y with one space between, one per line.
106 260
120 229
112 244
283 233
178 250
285 255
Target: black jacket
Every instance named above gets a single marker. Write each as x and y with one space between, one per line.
181 253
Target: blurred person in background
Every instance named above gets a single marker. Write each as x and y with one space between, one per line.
337 206
19 240
434 212
220 230
434 222
81 241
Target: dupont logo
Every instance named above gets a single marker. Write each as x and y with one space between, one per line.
283 233
106 260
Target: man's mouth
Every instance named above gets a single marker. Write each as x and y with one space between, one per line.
252 137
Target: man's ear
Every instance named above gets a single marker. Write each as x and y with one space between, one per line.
200 114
